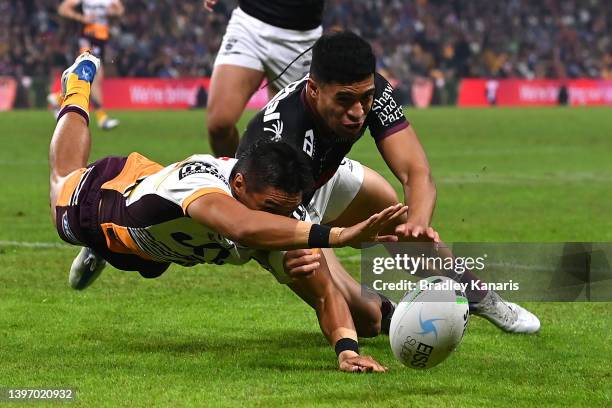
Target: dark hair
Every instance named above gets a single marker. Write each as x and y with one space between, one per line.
277 165
342 57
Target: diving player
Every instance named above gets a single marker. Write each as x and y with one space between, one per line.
263 39
139 215
94 36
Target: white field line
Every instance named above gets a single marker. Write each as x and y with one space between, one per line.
25 244
556 178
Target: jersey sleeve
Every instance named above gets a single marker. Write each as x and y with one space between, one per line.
386 116
192 179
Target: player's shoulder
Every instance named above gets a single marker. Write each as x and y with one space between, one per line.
204 168
283 116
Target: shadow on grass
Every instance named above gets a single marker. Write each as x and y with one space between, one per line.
279 350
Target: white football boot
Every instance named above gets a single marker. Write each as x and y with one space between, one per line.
85 269
85 67
508 316
108 123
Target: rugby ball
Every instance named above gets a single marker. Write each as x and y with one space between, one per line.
429 323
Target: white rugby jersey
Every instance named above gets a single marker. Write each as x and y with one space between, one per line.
143 211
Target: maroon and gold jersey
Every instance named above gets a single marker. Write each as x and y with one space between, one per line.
132 211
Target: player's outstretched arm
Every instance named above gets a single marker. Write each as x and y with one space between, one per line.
414 173
335 319
262 230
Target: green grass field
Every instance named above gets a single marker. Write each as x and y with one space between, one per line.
232 336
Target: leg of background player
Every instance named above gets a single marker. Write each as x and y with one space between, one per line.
231 87
97 98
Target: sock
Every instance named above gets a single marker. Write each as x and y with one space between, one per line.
78 90
101 115
387 307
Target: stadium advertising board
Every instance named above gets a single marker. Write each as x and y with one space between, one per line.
155 93
540 92
8 91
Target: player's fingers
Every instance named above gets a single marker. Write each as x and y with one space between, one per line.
386 238
404 230
304 260
401 210
433 234
416 231
300 271
298 253
374 365
384 216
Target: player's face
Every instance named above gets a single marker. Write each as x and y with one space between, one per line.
270 199
344 107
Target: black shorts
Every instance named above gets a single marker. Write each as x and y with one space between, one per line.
77 216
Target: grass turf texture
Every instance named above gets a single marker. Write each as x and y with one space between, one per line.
231 336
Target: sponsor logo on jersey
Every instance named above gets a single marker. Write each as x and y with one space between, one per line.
276 129
198 167
386 108
68 231
309 143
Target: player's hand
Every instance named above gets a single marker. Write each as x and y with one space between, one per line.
351 362
415 230
209 4
367 231
300 263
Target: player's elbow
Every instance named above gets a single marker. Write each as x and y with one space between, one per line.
247 234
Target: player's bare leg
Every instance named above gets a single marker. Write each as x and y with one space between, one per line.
69 152
375 194
71 141
231 87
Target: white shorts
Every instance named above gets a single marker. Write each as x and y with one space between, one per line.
328 202
251 43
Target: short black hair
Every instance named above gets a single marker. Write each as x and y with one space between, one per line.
277 165
342 57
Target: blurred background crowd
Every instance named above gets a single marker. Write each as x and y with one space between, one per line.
443 40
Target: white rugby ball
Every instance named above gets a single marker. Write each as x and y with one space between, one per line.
428 324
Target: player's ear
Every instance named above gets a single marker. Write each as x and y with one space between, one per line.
313 88
239 184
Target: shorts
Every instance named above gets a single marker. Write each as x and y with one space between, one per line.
251 43
78 216
327 204
93 45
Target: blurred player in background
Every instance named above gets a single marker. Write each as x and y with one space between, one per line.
94 16
264 39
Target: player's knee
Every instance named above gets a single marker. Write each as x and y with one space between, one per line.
220 126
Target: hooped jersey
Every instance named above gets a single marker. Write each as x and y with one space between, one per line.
97 11
143 211
288 117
